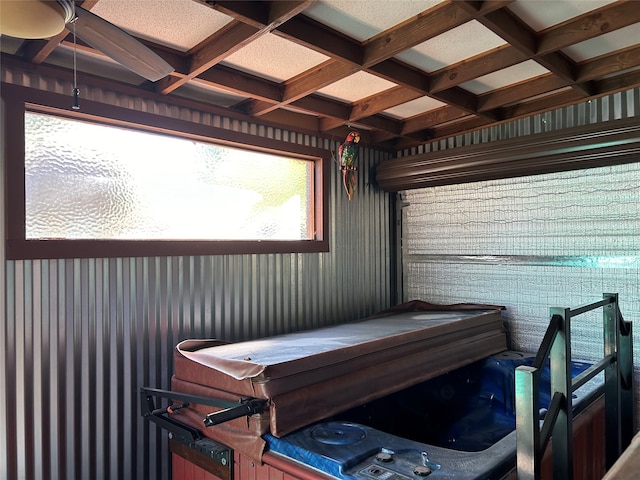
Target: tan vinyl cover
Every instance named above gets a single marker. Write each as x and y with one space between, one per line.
308 376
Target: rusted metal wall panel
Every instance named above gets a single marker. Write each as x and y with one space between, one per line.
82 335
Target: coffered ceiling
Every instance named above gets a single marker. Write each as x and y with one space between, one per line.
403 72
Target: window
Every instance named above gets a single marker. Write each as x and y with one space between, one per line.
100 183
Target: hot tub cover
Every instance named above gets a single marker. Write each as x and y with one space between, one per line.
310 375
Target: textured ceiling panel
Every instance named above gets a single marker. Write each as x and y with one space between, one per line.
609 42
355 87
541 14
176 24
415 107
364 19
504 77
451 47
275 58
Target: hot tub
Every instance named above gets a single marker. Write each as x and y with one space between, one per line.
424 390
458 425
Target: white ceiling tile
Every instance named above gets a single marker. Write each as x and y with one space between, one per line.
414 107
541 14
504 77
607 43
364 19
275 58
356 86
179 24
460 43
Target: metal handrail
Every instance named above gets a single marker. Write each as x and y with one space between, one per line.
557 425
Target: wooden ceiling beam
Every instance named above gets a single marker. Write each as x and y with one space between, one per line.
241 83
226 41
417 123
590 25
37 51
516 93
547 103
398 72
619 83
609 18
260 14
605 65
488 62
381 101
518 34
510 28
568 81
259 19
307 83
378 122
320 38
375 54
315 79
375 104
418 29
270 93
588 71
324 106
229 39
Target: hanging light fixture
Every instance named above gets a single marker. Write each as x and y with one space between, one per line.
76 90
32 19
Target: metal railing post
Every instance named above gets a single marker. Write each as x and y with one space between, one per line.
560 366
611 384
528 455
617 366
628 427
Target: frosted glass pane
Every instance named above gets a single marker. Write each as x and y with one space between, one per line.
90 181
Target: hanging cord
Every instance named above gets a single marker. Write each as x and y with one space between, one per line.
76 90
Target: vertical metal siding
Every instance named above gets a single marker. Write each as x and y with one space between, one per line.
82 335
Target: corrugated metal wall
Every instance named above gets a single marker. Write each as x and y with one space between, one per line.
81 336
535 242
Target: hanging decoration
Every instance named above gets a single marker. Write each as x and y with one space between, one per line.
347 157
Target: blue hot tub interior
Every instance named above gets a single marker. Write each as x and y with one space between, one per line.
468 409
459 425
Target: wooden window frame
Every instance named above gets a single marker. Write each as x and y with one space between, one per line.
17 100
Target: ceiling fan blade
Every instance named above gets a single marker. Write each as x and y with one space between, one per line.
120 46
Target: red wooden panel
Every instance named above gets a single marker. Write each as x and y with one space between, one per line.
183 469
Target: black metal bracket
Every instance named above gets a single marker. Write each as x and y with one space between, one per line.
247 407
156 415
231 410
185 441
